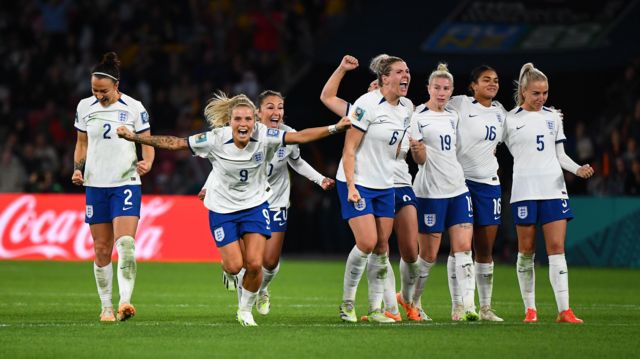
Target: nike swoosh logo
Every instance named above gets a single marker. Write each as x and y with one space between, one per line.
496 218
565 210
563 272
519 127
472 115
126 208
470 215
424 126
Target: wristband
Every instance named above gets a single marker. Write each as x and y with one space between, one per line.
332 129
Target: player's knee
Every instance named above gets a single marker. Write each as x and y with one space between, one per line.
254 265
232 266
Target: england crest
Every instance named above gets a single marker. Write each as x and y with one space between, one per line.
258 156
360 205
551 124
122 117
430 219
281 152
522 212
218 234
89 211
499 118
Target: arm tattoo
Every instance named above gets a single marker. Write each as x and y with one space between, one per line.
163 142
79 165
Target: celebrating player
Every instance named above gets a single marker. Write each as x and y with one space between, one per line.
109 169
480 129
405 223
240 151
444 201
366 180
534 136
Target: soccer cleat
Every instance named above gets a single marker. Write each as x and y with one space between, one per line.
423 316
396 317
125 311
567 316
379 317
245 318
457 312
486 313
531 316
412 312
230 281
348 312
263 304
107 315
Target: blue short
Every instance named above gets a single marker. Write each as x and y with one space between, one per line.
437 214
541 211
105 204
405 197
278 218
229 227
486 201
379 202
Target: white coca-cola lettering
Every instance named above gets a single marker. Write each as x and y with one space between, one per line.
25 232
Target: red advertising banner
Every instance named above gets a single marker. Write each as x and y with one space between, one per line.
51 227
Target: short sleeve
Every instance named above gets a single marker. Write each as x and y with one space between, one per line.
274 137
560 136
80 123
295 152
455 102
141 122
414 129
360 115
202 144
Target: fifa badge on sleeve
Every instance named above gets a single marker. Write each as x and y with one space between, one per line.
358 114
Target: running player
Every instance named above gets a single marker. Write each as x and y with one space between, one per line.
480 129
444 201
534 136
366 181
405 224
238 192
109 169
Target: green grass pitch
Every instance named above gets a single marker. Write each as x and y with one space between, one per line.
50 309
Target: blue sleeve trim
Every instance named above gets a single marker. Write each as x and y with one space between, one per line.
283 135
80 130
142 131
348 108
190 149
358 128
561 141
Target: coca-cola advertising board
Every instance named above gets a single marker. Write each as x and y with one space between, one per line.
52 227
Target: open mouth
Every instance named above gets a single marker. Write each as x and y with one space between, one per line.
404 85
274 121
243 132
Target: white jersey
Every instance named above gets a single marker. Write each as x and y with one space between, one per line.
441 176
278 173
479 131
384 126
531 138
238 179
401 174
111 161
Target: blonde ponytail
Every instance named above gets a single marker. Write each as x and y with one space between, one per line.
219 108
528 74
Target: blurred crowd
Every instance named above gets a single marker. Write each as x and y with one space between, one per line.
174 55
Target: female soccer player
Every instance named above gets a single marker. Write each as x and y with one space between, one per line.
240 151
109 169
271 114
366 180
405 223
534 136
480 129
443 198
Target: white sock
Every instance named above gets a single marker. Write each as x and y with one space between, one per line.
376 276
454 289
240 277
466 279
424 268
408 278
389 297
127 267
248 300
356 262
559 277
104 282
484 279
267 277
527 279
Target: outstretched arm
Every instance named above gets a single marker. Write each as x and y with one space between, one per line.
315 133
164 142
329 94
